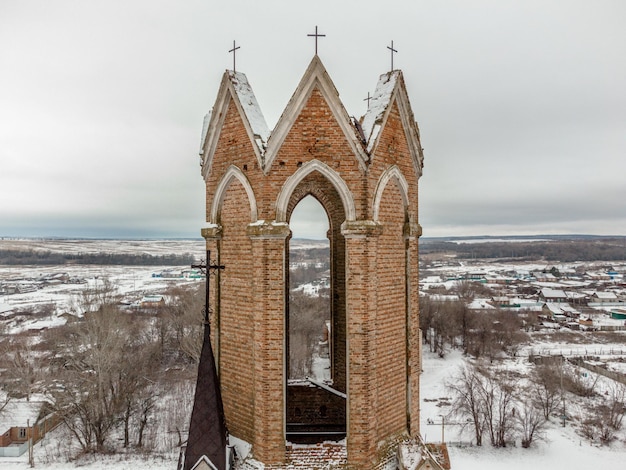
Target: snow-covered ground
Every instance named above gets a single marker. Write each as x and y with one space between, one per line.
560 449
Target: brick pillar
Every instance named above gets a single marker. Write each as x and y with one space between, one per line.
269 280
361 305
412 232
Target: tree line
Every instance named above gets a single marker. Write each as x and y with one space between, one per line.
569 250
35 257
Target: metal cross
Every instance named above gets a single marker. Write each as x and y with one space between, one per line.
392 51
316 36
207 269
234 51
368 100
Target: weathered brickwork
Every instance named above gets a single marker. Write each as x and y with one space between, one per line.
371 202
390 353
236 363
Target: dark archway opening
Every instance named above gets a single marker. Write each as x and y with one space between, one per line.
316 402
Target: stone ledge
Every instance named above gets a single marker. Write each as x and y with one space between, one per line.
361 229
412 230
263 229
213 231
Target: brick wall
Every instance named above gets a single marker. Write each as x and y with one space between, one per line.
236 332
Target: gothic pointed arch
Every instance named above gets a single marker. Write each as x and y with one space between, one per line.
284 197
391 173
232 173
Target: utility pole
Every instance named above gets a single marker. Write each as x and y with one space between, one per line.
443 428
29 436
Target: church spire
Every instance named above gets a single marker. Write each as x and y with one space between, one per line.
208 436
207 429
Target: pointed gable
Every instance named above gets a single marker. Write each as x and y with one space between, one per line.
315 77
391 90
234 89
378 106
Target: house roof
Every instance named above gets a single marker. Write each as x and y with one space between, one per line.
605 295
558 308
553 293
20 413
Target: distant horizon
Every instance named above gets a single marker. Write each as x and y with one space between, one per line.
199 238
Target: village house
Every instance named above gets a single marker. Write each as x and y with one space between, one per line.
21 421
552 295
604 297
152 301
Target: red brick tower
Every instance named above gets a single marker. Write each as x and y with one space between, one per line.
366 178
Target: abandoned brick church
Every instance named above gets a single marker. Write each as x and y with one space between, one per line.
365 175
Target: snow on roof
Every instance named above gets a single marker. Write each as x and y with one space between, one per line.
4 307
250 107
558 308
378 105
605 295
18 413
205 128
553 293
480 304
444 297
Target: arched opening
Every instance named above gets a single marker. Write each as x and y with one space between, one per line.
309 294
315 317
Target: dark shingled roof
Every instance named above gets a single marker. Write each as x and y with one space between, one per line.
207 430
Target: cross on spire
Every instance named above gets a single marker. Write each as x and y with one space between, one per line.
392 51
368 100
207 268
234 51
316 36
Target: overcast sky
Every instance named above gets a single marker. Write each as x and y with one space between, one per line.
521 106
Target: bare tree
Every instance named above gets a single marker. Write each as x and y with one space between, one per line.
614 407
24 372
546 388
182 322
607 416
86 390
530 421
307 317
498 394
485 400
468 402
103 363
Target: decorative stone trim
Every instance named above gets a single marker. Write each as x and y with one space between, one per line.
213 231
412 230
231 174
395 173
361 228
263 229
